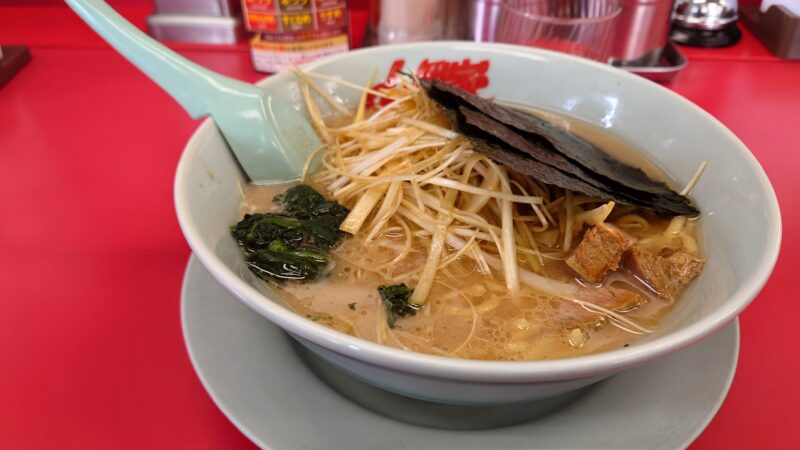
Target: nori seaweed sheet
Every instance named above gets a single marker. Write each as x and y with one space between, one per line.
551 154
521 153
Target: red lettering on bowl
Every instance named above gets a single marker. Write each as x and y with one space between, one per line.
465 74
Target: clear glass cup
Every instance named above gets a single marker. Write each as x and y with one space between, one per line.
580 27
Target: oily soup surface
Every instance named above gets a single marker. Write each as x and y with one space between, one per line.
469 314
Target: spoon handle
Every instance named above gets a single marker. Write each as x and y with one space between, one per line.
192 85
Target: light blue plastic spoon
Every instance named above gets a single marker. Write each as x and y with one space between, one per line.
270 139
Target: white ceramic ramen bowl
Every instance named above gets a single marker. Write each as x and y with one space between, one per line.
741 219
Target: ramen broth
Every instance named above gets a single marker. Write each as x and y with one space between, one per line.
470 314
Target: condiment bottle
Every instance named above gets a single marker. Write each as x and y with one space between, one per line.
289 32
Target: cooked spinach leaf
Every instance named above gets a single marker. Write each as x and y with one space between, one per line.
303 202
396 298
292 244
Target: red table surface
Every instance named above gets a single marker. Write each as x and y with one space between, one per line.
91 256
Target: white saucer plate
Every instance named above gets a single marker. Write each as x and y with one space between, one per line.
258 381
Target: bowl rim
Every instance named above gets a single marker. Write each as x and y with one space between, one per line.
444 367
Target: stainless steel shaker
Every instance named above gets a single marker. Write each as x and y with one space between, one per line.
397 21
482 18
642 32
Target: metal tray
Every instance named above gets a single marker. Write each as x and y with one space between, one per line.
670 62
